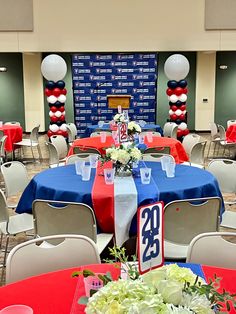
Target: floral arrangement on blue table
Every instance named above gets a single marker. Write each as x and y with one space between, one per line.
167 290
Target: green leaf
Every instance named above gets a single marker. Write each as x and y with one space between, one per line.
76 273
87 273
83 300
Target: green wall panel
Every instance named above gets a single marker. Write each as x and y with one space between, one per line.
225 96
162 101
11 88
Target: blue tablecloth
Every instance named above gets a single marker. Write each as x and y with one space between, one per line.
63 184
91 128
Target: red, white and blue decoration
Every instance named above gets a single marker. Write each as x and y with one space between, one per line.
123 132
176 69
54 69
150 237
97 75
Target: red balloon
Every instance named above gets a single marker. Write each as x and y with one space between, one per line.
64 133
56 92
53 109
54 119
49 133
185 91
62 108
174 117
186 131
182 107
169 91
62 118
182 117
64 91
47 92
178 91
59 132
174 108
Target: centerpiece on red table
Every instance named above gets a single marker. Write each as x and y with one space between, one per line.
169 289
123 158
132 127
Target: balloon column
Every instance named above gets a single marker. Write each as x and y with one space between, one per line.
176 69
54 69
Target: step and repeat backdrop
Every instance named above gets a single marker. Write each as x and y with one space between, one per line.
96 76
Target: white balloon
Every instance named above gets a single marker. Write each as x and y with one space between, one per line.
58 114
176 67
183 97
53 68
178 112
173 98
183 126
51 114
63 127
65 112
51 99
184 112
54 127
62 98
171 112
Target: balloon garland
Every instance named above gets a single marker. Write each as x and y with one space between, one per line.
176 69
54 69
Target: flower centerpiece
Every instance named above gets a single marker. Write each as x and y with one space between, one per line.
119 118
167 290
133 129
122 158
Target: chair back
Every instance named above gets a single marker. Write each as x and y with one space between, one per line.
60 144
4 215
230 122
85 150
98 133
71 138
189 141
12 123
56 217
184 219
2 146
158 149
53 154
222 132
214 130
73 129
75 157
154 133
156 157
225 172
197 153
34 135
170 129
1 134
15 177
213 248
29 258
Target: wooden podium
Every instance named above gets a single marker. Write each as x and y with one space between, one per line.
118 100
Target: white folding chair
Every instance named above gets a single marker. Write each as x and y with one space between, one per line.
213 248
15 177
230 122
31 142
53 156
156 157
75 157
30 259
2 149
60 143
12 123
98 133
184 219
56 217
12 225
189 141
197 155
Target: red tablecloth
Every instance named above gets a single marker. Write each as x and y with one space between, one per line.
176 148
14 135
58 292
231 133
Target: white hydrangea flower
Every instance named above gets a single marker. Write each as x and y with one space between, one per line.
198 303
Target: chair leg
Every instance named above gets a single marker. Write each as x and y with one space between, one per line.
5 256
1 240
40 153
32 151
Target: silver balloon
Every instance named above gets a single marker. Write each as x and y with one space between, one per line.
176 67
53 68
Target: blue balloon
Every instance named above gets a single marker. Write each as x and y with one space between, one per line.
172 84
179 103
50 85
183 83
60 84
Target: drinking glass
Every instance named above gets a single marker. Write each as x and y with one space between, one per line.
86 172
109 175
170 169
79 164
103 137
93 159
145 175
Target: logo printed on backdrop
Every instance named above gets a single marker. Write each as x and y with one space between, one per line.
150 236
97 75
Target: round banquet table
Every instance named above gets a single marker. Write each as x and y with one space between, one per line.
231 133
106 127
14 135
57 292
176 148
117 203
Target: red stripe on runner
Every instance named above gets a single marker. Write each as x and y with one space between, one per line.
228 279
103 201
